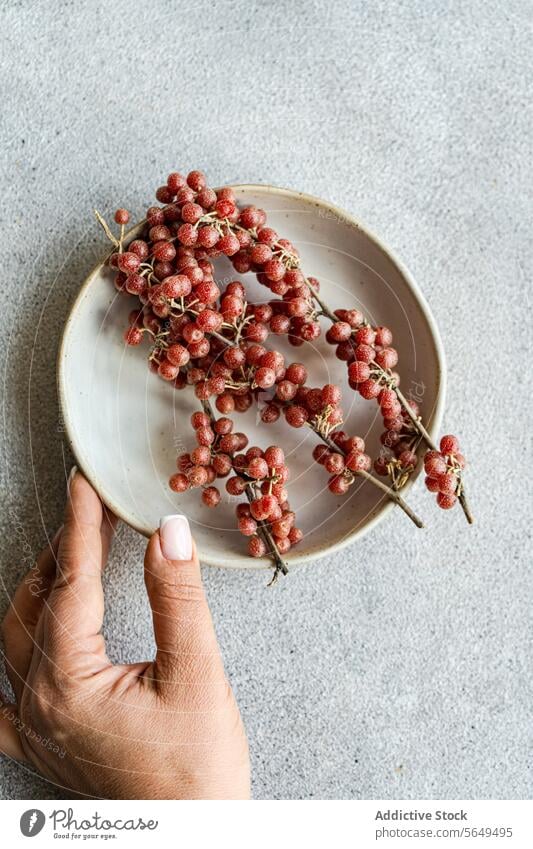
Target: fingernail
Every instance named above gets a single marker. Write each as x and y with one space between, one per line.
176 540
73 471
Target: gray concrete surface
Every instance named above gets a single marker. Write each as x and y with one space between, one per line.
402 668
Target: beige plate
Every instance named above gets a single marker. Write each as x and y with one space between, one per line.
126 425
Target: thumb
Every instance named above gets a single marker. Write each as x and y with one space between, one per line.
187 648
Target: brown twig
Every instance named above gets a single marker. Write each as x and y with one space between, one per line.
417 423
391 493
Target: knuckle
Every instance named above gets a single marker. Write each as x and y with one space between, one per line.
185 591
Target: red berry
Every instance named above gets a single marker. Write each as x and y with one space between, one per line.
228 244
274 456
187 234
197 476
201 456
222 464
296 373
256 547
358 461
295 536
339 485
260 254
330 394
133 336
176 286
353 317
139 248
175 182
434 463
158 232
225 403
369 389
339 332
256 331
265 377
334 464
432 484
449 444
183 462
196 180
235 485
234 357
447 483
286 390
446 500
211 496
359 371
209 321
155 215
274 269
247 525
296 416
257 468
199 419
205 436
383 337
320 454
408 459
164 194
128 262
387 358
366 335
279 324
179 482
364 353
270 414
122 216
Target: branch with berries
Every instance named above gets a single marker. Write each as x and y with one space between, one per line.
213 340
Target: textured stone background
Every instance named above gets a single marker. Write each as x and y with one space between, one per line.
400 668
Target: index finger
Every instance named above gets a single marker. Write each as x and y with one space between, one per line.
75 607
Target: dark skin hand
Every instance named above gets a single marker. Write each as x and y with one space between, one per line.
167 728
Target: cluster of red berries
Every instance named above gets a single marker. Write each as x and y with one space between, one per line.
263 474
258 474
443 469
209 336
211 459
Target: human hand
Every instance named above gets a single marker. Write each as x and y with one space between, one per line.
163 729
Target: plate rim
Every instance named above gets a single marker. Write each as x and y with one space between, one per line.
382 509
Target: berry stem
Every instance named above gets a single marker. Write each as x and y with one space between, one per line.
417 423
103 223
268 539
390 493
322 304
429 442
272 549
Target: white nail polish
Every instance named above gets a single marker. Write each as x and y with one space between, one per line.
73 471
176 539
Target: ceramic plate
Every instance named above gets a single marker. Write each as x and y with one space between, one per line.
126 425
